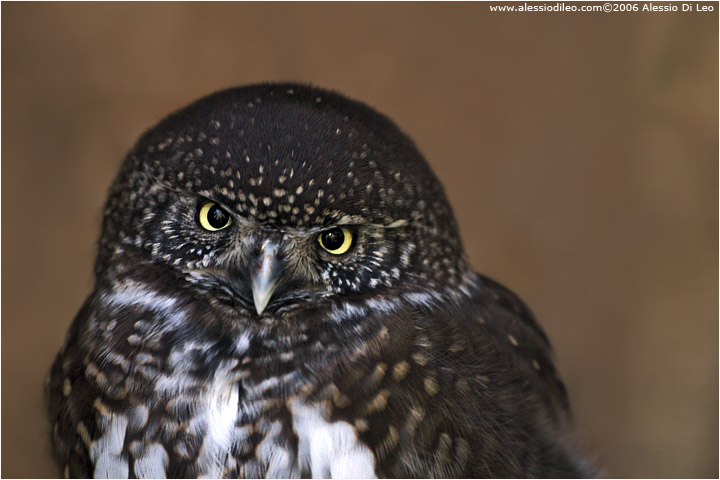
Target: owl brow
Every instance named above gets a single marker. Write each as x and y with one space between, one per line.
166 186
346 222
394 224
355 220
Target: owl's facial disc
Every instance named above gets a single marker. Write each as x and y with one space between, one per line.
264 278
278 199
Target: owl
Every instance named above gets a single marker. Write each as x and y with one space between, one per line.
281 291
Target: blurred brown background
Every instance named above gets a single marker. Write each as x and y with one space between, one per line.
580 152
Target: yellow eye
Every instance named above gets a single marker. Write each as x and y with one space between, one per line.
212 217
337 240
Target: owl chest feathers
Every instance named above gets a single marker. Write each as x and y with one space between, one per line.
219 410
223 419
301 442
236 437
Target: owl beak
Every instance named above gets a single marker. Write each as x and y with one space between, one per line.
264 278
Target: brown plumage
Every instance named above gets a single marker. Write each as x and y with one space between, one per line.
281 290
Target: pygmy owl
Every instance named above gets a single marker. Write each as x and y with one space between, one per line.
281 291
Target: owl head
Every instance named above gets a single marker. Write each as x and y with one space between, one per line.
283 194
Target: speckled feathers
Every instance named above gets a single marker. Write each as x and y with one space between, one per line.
253 351
288 159
278 147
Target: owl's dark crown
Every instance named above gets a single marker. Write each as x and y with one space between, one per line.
292 155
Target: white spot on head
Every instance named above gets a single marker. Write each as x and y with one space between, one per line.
431 386
400 370
419 358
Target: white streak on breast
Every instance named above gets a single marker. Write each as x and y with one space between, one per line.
242 344
276 458
221 416
106 451
152 463
177 359
331 450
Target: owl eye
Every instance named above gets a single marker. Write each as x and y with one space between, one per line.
212 217
336 240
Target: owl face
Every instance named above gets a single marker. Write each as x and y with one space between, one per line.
281 196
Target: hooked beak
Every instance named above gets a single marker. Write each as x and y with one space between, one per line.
264 277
